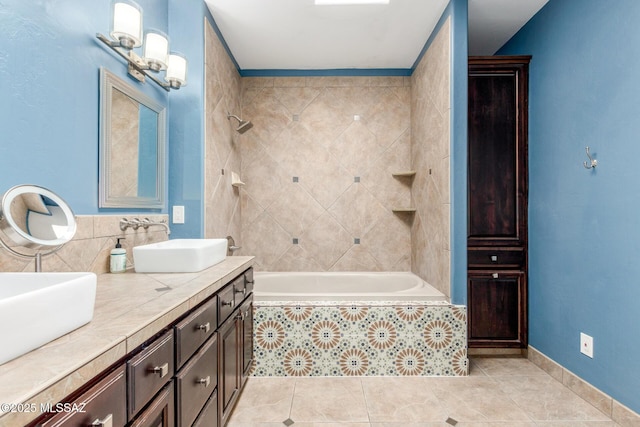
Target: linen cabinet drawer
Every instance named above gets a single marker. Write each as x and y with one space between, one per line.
194 330
149 371
226 302
495 258
103 403
196 381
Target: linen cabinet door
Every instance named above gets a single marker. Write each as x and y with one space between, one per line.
497 308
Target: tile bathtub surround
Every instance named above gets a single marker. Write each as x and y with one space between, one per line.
221 141
360 340
603 402
326 149
90 248
430 154
498 393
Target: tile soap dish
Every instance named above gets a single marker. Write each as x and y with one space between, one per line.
235 180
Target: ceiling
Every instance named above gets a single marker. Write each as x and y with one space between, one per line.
298 35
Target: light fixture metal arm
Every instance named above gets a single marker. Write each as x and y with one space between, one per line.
136 67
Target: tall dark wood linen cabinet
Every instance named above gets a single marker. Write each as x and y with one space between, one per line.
497 202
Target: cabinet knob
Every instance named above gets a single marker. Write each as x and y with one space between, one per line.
242 291
495 275
160 370
494 258
105 422
229 303
205 381
206 327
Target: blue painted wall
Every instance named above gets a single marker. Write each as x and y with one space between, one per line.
186 120
584 231
49 81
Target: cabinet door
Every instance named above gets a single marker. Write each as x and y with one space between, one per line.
103 404
246 338
497 308
228 369
497 153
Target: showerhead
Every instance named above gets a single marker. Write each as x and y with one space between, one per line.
243 125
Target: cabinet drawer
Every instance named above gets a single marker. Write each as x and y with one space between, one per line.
149 370
494 257
248 280
160 413
239 289
226 302
105 402
209 415
194 330
196 382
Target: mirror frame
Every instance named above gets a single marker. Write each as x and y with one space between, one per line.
109 82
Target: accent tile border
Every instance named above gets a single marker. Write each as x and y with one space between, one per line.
619 413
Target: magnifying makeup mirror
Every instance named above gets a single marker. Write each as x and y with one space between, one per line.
36 218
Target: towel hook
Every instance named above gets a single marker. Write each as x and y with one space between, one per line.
592 162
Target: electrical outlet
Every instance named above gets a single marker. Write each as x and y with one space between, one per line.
178 215
586 345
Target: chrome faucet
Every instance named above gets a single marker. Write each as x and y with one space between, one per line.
145 223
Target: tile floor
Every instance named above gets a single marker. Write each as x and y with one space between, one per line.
498 392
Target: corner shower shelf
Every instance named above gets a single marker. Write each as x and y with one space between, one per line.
404 174
403 210
235 180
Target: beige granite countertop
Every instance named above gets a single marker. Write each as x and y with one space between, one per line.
130 308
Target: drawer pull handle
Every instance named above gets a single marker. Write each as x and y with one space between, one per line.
495 275
206 327
160 370
494 258
205 381
229 303
105 422
242 291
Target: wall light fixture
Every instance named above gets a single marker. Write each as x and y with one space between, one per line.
126 34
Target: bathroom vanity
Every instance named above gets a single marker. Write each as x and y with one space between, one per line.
162 349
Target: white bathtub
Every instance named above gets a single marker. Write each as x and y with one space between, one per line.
343 286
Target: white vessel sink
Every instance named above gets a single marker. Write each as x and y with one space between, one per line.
36 308
179 255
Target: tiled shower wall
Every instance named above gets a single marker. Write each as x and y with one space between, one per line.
430 154
222 85
317 167
91 246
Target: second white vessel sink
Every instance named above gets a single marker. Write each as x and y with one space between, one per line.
179 255
36 308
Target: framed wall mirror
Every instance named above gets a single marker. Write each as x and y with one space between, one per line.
132 146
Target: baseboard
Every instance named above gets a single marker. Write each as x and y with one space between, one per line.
603 402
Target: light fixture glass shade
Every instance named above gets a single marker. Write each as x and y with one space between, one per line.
156 50
127 24
176 74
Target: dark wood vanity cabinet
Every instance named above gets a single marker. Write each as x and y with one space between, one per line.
190 374
497 202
